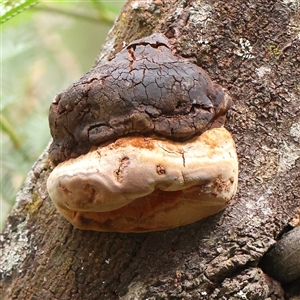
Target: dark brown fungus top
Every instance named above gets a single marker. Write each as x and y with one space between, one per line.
145 89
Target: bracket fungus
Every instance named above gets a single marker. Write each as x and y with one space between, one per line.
138 143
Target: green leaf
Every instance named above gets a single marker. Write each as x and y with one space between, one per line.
10 9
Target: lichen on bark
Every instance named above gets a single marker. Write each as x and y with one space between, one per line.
219 256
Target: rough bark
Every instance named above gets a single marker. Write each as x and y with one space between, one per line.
252 49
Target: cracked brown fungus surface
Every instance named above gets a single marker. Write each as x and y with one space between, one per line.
138 143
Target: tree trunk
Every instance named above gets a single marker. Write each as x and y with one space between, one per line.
252 49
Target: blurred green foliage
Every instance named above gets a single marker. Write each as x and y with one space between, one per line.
44 48
10 9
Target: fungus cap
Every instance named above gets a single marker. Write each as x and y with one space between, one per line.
140 184
144 90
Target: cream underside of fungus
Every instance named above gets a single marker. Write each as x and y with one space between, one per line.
140 184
